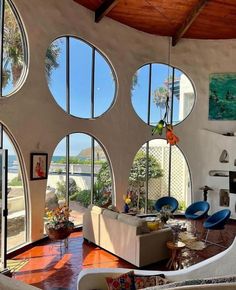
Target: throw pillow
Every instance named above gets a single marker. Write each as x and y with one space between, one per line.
123 282
153 226
141 281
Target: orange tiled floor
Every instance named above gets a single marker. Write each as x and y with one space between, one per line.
53 267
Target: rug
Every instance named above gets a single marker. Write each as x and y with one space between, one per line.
16 265
191 241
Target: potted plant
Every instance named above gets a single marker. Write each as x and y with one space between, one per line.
58 225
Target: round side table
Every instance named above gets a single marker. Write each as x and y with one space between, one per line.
175 261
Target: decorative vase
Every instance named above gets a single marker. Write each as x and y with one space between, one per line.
126 208
58 234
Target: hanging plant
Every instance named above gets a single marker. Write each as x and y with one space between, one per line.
171 138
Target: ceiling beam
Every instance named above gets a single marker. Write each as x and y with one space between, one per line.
104 9
196 10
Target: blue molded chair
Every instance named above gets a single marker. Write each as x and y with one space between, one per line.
197 211
217 222
167 201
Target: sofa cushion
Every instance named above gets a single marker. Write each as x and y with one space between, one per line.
111 214
95 208
134 221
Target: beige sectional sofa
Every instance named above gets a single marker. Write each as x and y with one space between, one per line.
126 236
7 283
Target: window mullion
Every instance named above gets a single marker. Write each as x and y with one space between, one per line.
92 82
147 173
92 170
149 93
171 121
68 74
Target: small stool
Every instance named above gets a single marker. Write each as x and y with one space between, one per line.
175 261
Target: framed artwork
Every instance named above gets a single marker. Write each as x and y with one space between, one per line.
222 96
38 166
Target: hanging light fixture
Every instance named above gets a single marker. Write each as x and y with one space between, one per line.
165 123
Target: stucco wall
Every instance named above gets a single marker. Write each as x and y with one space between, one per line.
38 124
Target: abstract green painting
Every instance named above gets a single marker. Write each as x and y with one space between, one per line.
222 99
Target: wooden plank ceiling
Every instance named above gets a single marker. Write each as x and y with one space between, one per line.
201 19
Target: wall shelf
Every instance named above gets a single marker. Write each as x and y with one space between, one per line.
219 173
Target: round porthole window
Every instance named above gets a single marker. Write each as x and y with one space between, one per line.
80 78
152 83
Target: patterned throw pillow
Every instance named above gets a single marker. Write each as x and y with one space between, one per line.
123 282
149 281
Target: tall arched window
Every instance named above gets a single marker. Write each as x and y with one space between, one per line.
14 59
79 175
80 78
153 175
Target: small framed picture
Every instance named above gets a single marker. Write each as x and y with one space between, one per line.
38 166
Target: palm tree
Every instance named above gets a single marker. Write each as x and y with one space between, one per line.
160 96
13 55
13 51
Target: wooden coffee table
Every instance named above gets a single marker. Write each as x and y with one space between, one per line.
175 261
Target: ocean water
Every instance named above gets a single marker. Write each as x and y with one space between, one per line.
13 164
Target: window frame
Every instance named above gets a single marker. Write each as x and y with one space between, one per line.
25 50
92 83
171 72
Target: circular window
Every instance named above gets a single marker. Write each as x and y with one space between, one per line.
14 51
79 77
153 84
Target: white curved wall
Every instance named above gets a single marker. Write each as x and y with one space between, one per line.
38 124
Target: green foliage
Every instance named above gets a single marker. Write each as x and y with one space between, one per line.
160 96
104 176
76 160
182 205
83 197
138 170
59 171
15 182
61 187
134 81
13 52
101 194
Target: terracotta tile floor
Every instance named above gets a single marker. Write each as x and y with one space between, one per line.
52 266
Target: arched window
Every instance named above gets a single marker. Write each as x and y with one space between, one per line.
79 77
152 83
152 176
79 174
14 60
